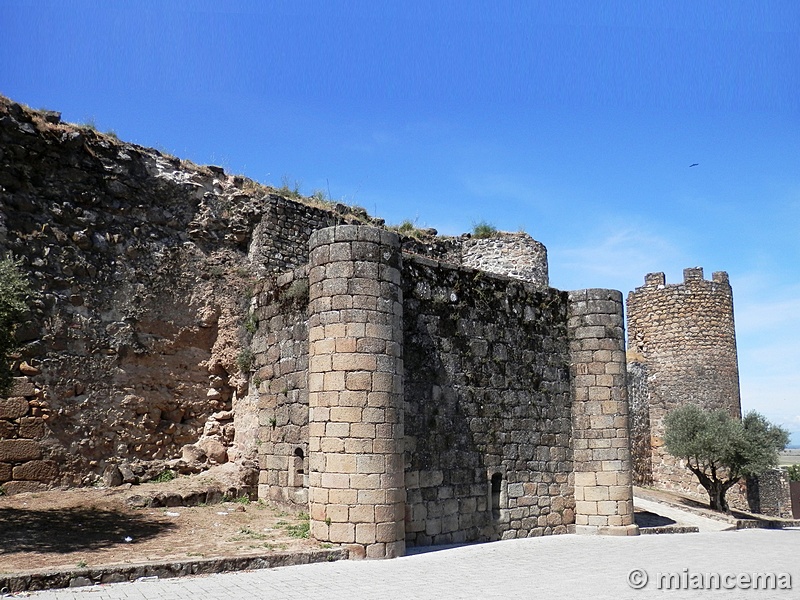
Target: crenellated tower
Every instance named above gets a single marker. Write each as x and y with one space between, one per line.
681 349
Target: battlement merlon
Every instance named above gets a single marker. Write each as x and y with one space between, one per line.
721 277
655 280
693 274
690 275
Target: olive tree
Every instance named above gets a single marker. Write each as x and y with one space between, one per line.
14 291
720 449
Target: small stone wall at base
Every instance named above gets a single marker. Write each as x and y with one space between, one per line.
767 494
47 580
23 418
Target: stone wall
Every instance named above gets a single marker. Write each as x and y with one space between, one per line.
22 427
487 403
127 335
639 419
480 409
515 255
179 313
141 265
280 383
600 435
683 334
769 494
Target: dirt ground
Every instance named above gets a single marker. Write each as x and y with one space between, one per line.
64 529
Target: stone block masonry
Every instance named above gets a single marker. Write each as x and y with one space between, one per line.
355 390
487 406
404 390
23 417
602 458
280 381
413 402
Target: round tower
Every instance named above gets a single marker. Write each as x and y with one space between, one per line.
600 439
515 255
355 397
682 346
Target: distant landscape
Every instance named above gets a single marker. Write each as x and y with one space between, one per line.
790 456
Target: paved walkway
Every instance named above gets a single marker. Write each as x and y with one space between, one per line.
566 566
682 517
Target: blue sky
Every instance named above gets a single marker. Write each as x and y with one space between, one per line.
575 121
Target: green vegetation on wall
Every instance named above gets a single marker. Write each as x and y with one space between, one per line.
14 291
483 230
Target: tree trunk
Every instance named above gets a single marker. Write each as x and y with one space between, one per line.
716 496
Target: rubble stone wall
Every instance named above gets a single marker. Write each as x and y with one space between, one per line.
639 419
768 494
142 266
22 427
280 384
280 239
515 255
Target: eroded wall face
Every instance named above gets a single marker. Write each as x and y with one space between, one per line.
123 355
486 397
142 267
683 334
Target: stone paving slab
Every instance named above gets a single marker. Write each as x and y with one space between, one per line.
567 566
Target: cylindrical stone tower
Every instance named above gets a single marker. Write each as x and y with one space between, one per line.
355 397
515 255
600 435
682 337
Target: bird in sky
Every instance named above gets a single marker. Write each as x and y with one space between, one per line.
694 165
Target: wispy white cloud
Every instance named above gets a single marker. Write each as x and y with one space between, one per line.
619 259
767 315
765 301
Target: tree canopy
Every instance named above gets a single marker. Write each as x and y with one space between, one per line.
720 449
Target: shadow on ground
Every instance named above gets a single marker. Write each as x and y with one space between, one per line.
72 529
648 519
703 506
